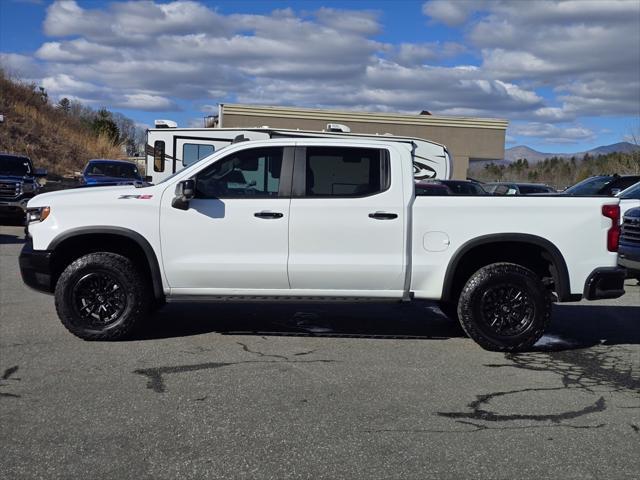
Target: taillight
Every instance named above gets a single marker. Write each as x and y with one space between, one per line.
613 234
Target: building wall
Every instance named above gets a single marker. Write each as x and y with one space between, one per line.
466 138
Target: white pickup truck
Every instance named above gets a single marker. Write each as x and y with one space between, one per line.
317 219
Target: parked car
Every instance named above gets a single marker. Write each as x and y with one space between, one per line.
629 253
602 185
426 188
110 172
18 183
317 219
463 187
506 188
629 198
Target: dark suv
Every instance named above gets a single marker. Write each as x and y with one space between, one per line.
18 183
607 185
629 246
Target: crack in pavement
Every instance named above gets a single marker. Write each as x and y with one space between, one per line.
155 375
9 371
480 427
7 376
478 413
260 354
588 370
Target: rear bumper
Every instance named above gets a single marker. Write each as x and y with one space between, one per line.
605 282
35 267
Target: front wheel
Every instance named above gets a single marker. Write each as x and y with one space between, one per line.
504 307
102 296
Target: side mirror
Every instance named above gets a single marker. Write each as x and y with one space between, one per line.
40 172
148 178
615 191
185 191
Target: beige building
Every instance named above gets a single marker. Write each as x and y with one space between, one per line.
468 139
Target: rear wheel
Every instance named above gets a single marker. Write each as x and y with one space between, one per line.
504 307
102 296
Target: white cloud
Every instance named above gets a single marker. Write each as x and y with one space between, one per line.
145 101
149 56
22 66
553 133
448 12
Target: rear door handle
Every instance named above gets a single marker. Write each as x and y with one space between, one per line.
383 215
268 215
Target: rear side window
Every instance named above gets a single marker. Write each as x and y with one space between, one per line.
346 172
192 152
158 156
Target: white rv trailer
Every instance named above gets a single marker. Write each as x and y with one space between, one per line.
169 149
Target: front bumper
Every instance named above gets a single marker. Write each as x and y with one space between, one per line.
605 282
35 267
629 257
15 206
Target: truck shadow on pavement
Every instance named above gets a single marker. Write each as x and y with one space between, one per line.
380 320
572 326
12 221
8 239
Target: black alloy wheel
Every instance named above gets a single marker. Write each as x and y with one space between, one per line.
98 299
507 310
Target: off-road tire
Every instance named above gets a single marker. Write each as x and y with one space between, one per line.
134 285
473 300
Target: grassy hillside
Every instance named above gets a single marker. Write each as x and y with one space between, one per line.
54 138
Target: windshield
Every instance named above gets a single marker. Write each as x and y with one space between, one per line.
107 169
12 165
590 186
631 193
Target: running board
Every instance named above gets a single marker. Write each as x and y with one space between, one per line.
276 299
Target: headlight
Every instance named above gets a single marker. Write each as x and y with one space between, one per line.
38 214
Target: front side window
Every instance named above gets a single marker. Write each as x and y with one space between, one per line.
345 172
251 173
192 152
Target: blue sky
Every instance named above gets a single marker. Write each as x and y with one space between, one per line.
566 74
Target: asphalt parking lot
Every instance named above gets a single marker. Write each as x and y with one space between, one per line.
322 391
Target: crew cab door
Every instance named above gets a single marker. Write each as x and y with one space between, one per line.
234 236
347 221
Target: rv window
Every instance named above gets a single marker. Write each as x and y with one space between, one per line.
158 156
192 152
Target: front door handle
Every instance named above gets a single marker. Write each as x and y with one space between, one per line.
383 215
268 215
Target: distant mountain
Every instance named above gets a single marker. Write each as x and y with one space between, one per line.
534 156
